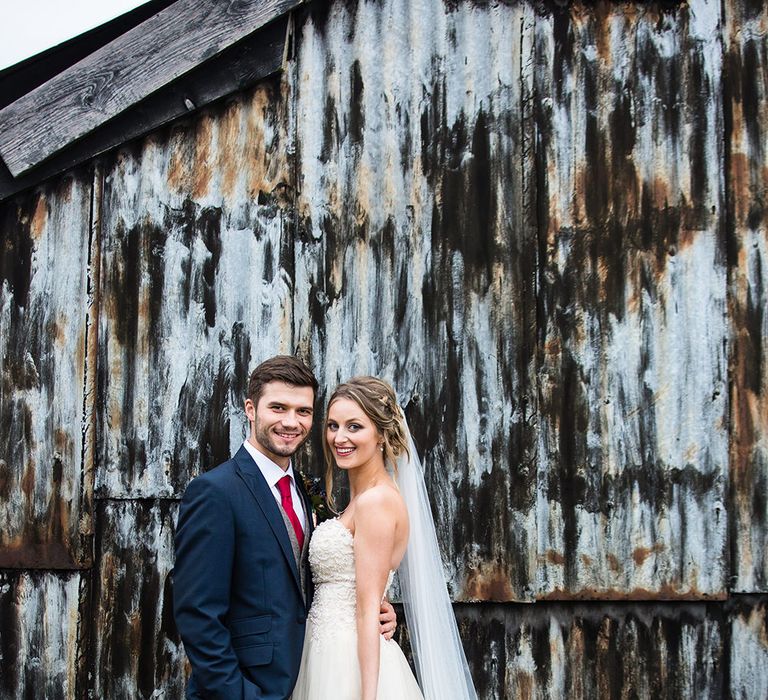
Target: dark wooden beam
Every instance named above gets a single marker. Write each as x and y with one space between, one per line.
25 76
126 71
237 68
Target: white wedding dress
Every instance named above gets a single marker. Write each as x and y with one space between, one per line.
329 664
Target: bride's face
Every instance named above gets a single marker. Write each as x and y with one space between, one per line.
352 436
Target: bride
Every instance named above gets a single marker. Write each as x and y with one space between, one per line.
387 524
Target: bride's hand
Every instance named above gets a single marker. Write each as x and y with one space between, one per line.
387 619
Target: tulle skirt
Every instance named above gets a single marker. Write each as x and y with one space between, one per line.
330 669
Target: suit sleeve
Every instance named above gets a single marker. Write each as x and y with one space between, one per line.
202 575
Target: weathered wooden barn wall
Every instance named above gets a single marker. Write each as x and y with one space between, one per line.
543 221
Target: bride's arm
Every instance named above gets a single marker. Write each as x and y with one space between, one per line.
374 544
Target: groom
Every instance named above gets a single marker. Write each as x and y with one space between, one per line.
241 581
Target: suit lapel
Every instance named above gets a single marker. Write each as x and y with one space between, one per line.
257 485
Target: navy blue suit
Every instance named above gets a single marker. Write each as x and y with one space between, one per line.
236 587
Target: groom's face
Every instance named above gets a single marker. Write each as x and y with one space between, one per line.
281 421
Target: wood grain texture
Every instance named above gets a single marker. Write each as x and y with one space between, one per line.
196 289
746 100
415 259
124 72
44 239
20 78
633 432
237 68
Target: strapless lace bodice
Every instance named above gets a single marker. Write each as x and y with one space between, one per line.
332 560
329 667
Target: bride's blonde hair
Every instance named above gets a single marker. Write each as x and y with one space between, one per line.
378 401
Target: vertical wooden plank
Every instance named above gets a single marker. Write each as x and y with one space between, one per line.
136 651
44 238
632 330
196 288
416 254
746 101
38 634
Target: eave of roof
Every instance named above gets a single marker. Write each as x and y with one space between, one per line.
236 60
25 76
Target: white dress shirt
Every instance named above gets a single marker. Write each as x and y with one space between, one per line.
273 473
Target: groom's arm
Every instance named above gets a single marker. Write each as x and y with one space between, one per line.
202 574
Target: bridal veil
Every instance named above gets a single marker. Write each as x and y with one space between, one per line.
441 665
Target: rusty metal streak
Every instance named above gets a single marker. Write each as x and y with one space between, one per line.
749 648
196 288
416 254
38 634
603 650
136 650
633 433
747 105
544 222
43 278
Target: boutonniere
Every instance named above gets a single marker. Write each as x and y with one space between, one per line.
313 485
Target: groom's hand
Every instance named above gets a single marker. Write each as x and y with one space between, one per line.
387 619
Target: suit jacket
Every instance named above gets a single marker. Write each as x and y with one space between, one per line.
237 588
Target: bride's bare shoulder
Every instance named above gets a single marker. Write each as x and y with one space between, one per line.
382 500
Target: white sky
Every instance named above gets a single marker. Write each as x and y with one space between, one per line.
28 27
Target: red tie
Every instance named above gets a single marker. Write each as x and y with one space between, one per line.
284 486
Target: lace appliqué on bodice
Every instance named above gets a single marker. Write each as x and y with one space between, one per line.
332 560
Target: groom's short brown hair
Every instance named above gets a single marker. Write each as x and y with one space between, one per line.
281 368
